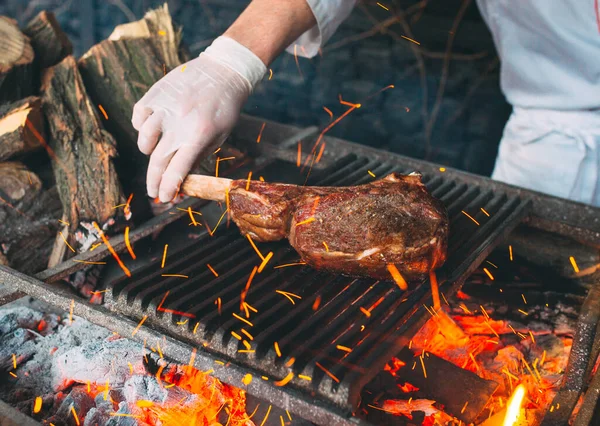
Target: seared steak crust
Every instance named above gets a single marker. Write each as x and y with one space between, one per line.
356 230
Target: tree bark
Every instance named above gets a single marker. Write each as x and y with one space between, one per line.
16 62
50 44
82 155
117 73
28 218
21 127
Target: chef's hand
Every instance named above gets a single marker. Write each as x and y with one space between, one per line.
192 111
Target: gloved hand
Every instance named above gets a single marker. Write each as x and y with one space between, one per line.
193 109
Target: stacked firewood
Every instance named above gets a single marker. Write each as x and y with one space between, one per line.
69 163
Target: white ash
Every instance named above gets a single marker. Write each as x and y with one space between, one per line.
97 361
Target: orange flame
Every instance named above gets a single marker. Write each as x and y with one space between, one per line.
513 409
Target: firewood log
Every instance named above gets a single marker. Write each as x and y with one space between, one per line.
82 155
21 127
49 42
29 217
118 71
16 62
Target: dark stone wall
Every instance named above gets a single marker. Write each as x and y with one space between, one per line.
459 126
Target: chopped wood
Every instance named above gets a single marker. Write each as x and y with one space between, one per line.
50 44
82 155
21 127
118 71
29 217
16 62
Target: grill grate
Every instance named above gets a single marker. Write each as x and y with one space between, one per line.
308 339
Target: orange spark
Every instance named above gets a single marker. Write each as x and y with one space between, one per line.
192 216
365 311
410 39
161 309
65 240
242 319
248 181
103 111
382 6
371 173
237 336
470 217
144 404
343 348
326 246
14 359
37 406
423 365
328 111
289 264
326 371
245 292
285 380
488 273
261 132
321 151
71 311
398 278
247 379
75 415
484 212
442 169
128 244
212 270
316 303
217 225
248 335
510 253
266 416
111 250
304 222
254 247
299 158
277 351
574 264
89 262
303 377
191 363
435 291
139 325
175 275
288 295
265 261
218 303
270 73
297 63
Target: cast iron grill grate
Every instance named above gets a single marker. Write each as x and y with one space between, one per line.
334 349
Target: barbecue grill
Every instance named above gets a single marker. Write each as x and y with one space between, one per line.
297 338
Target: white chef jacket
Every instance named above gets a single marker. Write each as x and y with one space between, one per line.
550 73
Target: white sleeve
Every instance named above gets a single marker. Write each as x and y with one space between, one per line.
329 15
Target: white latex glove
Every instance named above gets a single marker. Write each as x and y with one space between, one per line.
193 109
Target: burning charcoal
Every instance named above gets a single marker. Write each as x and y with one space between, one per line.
18 317
122 420
144 388
79 401
97 362
100 414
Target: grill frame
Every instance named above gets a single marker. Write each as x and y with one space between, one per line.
396 321
549 213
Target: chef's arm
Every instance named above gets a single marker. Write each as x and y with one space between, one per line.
190 112
267 27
